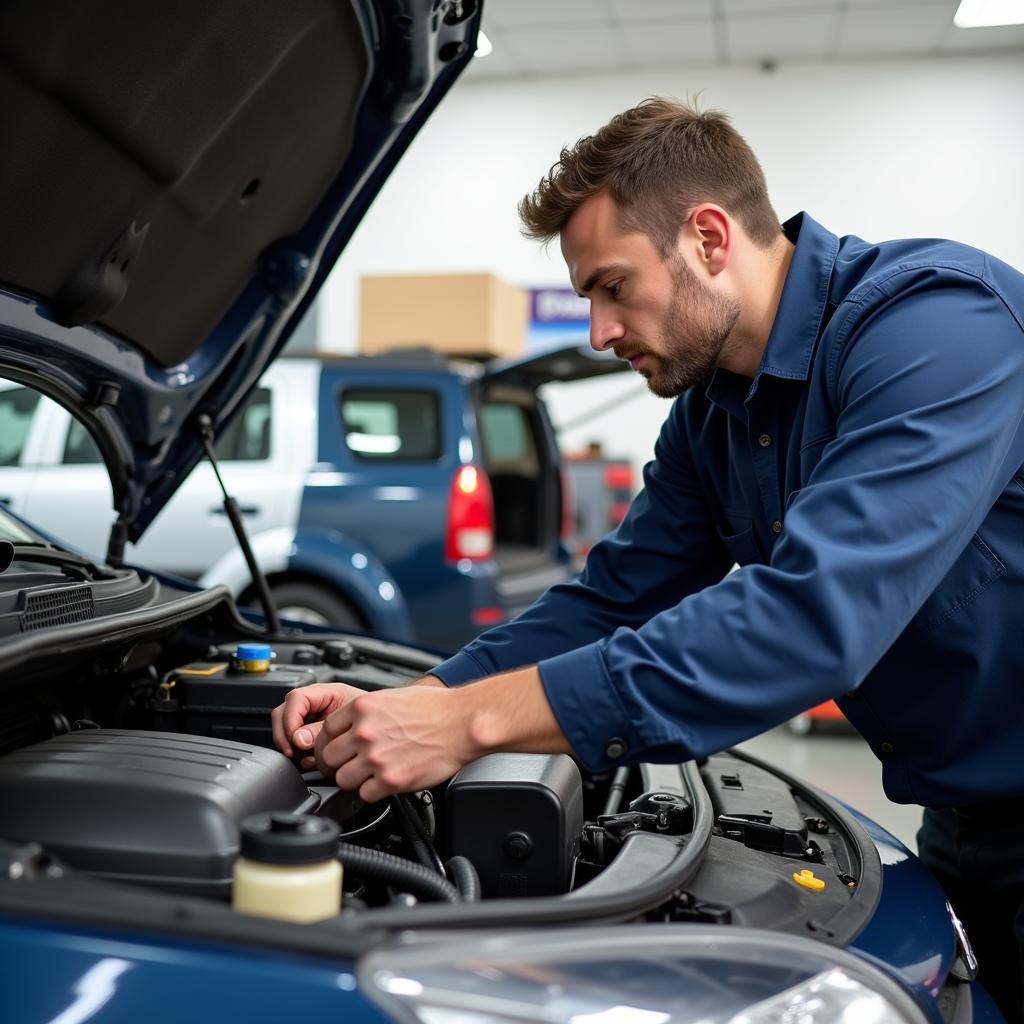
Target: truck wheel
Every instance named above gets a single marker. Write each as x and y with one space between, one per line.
315 606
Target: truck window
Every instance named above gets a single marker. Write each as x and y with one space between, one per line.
398 425
247 437
17 407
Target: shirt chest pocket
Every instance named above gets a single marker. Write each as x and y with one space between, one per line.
739 542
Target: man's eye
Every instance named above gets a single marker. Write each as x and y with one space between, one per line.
613 289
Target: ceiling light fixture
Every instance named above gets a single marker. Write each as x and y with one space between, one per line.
989 13
483 45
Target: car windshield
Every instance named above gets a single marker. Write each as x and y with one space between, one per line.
12 530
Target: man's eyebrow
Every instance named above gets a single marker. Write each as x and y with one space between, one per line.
595 277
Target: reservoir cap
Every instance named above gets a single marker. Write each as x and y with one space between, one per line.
281 838
253 657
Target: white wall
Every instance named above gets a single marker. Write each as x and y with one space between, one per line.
879 149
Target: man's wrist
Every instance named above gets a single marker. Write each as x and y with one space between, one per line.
428 680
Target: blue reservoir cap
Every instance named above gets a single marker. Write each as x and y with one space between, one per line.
253 652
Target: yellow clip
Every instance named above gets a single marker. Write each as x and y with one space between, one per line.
808 881
201 671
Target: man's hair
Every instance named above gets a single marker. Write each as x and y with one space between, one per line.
658 160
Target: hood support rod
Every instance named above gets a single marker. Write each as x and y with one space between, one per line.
235 518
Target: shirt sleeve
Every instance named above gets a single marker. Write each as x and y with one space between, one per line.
665 548
926 374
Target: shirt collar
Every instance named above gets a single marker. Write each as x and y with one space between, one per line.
798 318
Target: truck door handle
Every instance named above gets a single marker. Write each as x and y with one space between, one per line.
246 510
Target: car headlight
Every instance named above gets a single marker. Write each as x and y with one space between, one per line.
642 974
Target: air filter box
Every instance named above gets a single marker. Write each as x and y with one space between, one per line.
518 818
145 807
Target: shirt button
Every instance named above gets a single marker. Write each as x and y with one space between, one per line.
777 526
765 440
887 747
614 749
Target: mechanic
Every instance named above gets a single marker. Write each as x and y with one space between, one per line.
848 428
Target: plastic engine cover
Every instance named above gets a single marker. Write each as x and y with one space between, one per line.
143 806
518 818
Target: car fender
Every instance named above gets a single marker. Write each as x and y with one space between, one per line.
910 929
340 562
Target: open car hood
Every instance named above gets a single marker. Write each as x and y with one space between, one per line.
177 182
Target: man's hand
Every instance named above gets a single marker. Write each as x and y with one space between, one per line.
297 722
398 741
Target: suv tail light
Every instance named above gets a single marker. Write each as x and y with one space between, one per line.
618 476
618 480
470 532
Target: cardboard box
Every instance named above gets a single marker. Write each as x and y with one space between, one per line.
472 315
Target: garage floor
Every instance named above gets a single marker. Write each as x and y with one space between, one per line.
842 764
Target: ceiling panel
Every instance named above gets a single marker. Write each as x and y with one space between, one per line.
1004 37
550 37
632 12
517 14
740 8
558 50
691 42
807 36
896 29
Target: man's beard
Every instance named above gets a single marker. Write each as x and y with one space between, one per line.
692 336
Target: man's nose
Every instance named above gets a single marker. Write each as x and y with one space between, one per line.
605 331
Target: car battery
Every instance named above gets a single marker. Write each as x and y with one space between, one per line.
231 699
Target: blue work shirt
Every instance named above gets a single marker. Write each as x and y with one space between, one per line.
869 483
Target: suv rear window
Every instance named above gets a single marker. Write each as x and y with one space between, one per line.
247 438
399 425
508 439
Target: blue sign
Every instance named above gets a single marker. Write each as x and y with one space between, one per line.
557 315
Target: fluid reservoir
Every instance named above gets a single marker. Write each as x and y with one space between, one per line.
288 867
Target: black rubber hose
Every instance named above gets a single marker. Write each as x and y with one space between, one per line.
384 867
414 831
464 875
424 804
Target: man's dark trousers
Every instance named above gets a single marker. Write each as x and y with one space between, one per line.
977 854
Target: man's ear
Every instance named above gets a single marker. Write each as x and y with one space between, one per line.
711 230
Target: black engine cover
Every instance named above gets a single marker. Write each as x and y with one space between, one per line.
142 806
518 818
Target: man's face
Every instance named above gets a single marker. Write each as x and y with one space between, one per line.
653 311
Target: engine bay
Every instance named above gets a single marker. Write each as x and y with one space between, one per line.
135 750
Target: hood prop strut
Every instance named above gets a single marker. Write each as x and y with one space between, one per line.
235 518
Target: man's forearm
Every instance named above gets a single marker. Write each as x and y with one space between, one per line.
510 712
